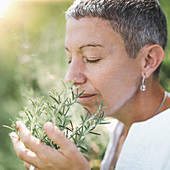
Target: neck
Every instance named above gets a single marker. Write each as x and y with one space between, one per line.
142 106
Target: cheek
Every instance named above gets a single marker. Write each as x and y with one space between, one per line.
115 84
116 88
103 83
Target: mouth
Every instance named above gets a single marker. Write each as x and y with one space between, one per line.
85 97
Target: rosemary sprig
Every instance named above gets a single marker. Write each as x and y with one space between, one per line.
57 111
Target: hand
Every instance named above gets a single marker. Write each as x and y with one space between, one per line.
44 157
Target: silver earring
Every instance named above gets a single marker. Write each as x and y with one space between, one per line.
143 86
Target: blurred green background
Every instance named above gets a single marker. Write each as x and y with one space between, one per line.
32 61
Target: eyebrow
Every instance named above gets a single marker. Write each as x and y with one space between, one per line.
86 45
90 45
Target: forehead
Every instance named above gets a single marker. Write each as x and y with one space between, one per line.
89 21
91 30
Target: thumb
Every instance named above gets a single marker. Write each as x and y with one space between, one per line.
59 138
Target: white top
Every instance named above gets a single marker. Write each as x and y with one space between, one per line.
109 158
147 145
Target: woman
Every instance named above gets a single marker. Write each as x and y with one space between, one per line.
114 49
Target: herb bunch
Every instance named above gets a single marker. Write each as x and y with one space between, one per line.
57 111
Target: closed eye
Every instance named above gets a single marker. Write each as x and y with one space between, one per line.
88 61
92 61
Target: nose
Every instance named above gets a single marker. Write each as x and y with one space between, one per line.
75 73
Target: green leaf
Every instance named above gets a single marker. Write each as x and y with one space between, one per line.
56 111
94 133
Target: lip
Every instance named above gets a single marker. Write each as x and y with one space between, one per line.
85 98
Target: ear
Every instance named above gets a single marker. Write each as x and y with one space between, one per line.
152 57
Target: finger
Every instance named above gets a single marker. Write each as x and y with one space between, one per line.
23 153
59 138
69 150
27 165
41 150
28 139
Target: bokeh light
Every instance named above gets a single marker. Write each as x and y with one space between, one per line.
4 5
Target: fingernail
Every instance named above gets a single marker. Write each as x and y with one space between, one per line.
48 126
13 135
18 124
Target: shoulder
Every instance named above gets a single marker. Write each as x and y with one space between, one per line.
147 145
153 131
161 119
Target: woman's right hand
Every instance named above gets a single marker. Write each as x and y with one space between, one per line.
44 157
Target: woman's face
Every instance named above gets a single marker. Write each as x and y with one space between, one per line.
100 65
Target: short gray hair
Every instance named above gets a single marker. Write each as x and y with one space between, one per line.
139 22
